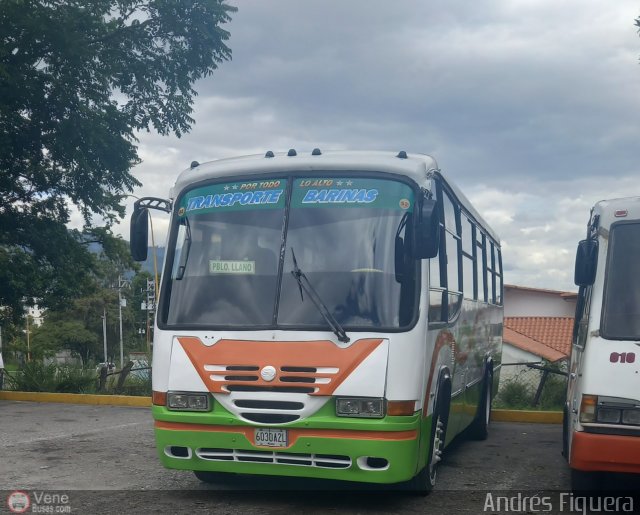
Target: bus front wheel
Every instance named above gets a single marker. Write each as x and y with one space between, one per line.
585 481
425 480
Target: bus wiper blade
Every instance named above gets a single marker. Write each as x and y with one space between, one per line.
304 284
297 273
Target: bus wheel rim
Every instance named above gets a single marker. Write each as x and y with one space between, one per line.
436 453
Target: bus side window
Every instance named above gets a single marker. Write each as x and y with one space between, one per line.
438 283
445 293
437 291
454 257
468 264
500 281
491 262
481 265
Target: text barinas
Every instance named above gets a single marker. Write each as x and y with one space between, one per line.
349 196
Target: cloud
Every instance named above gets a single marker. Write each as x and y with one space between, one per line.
529 106
540 229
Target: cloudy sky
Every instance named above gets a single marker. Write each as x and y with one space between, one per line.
530 106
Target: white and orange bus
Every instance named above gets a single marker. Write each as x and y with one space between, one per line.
602 412
328 315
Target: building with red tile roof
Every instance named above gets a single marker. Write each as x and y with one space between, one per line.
547 337
538 326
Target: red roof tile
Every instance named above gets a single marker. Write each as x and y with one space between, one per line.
555 333
530 345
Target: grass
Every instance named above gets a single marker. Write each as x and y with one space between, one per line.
38 377
518 394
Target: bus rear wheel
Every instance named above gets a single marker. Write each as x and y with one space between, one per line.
479 428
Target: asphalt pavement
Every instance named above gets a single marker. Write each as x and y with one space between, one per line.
104 458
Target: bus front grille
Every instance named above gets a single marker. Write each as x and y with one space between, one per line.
270 418
285 394
269 405
278 458
279 389
288 378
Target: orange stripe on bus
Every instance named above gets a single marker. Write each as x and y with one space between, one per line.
294 434
444 338
259 354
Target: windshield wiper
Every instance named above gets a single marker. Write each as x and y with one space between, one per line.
184 255
304 284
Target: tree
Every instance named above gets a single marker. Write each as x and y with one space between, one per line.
77 326
78 78
60 333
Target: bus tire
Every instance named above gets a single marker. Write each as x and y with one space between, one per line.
565 433
583 482
425 480
479 428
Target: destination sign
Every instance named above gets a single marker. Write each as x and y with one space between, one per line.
352 192
232 267
268 194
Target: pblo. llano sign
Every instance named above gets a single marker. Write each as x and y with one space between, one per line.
232 267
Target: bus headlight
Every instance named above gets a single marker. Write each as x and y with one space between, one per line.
609 410
631 416
185 401
608 415
360 407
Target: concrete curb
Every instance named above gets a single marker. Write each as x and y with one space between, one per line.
77 398
497 415
538 417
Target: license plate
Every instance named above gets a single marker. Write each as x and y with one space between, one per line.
272 437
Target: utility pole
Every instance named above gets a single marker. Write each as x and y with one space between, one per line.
28 341
150 307
121 284
104 335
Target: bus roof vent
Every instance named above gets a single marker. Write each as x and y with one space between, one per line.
402 155
269 154
194 164
316 152
292 152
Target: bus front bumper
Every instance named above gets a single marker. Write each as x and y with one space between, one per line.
341 454
605 453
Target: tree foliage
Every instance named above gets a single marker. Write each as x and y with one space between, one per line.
78 78
77 326
62 333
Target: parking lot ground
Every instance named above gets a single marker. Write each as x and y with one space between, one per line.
105 459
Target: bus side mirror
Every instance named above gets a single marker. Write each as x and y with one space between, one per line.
139 233
428 230
586 261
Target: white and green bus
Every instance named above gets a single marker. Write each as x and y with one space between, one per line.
330 315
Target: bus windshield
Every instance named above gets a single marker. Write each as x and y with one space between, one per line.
231 255
621 312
